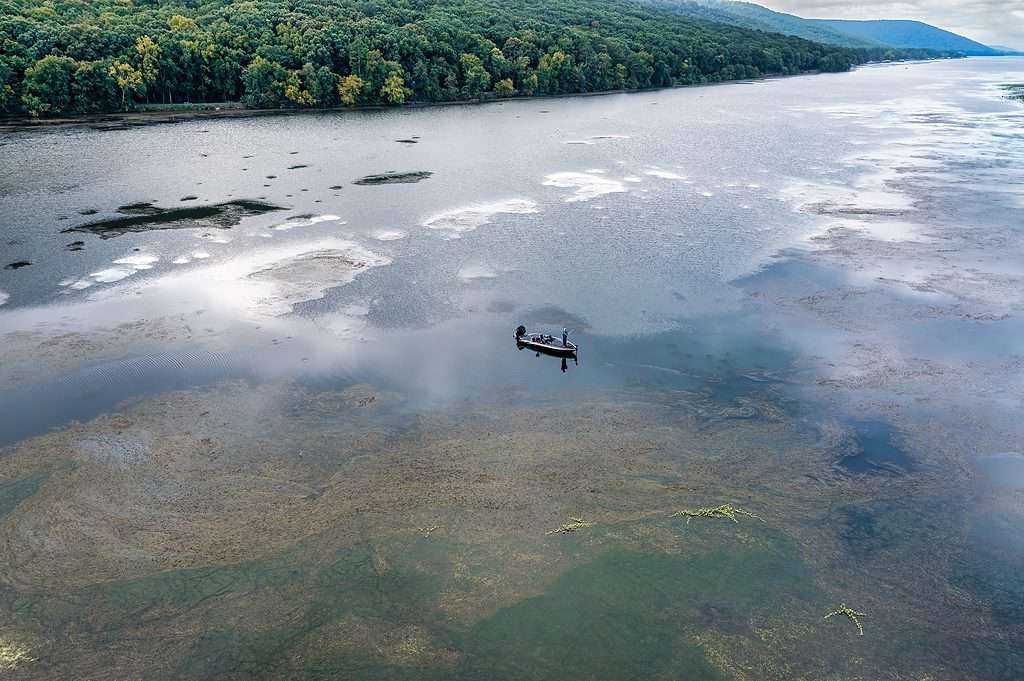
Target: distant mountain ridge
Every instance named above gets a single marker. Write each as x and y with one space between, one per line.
905 33
897 34
758 18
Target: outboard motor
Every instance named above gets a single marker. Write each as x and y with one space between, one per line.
520 331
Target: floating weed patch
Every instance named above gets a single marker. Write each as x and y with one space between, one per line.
724 511
13 655
851 615
570 527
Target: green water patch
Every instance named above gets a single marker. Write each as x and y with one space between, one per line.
144 217
13 492
626 614
391 588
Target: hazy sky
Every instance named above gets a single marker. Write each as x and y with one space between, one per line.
989 21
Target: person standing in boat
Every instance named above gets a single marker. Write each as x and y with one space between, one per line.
565 338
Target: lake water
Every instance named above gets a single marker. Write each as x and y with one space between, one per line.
261 418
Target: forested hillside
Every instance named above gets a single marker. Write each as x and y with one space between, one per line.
80 56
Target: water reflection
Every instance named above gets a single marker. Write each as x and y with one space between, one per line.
361 406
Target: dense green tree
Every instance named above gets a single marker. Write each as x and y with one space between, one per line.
93 89
323 85
475 78
48 85
264 83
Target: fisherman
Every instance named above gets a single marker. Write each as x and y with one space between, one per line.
565 338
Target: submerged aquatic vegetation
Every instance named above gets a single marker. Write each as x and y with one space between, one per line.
851 615
12 655
724 511
568 528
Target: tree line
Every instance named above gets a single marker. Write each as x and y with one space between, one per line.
60 57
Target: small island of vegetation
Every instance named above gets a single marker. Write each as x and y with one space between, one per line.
62 57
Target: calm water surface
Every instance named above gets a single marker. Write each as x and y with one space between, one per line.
261 421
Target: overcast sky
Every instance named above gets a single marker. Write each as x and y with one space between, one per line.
999 22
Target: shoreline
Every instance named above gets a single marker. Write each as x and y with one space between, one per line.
155 114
